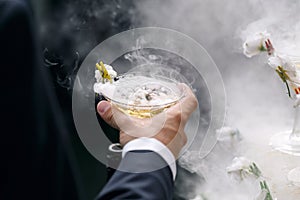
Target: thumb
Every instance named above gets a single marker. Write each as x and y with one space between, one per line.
105 111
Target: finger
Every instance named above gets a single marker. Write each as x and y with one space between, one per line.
189 102
104 109
185 107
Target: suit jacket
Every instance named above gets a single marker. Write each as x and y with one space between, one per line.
140 176
34 162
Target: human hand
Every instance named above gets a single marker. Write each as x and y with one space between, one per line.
167 127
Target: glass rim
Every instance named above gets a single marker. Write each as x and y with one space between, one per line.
181 89
144 106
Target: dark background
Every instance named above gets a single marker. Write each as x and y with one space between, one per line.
69 30
43 44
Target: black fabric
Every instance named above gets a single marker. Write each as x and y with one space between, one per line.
127 183
35 160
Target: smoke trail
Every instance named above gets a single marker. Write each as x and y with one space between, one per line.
253 91
256 97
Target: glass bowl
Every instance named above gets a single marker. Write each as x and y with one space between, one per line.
143 95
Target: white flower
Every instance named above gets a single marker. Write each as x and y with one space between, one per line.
282 61
103 86
238 164
106 89
241 167
255 44
98 76
287 65
110 70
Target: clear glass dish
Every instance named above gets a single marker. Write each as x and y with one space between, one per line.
143 95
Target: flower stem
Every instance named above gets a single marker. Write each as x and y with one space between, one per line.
289 91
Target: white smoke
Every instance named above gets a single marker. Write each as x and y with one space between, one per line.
257 102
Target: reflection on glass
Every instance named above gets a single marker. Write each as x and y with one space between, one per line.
144 96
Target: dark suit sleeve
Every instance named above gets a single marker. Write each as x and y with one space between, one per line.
35 163
141 175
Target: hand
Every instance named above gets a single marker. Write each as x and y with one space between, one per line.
167 127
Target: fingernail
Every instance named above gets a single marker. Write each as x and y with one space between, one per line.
103 107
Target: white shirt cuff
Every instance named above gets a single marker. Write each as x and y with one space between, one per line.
154 145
